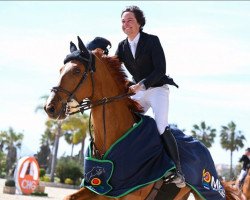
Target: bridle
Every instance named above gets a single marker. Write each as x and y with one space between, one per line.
89 68
87 103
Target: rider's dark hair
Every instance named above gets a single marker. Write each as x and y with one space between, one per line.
138 15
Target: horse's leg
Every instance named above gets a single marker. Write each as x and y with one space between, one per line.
246 187
196 196
140 194
85 194
232 191
81 194
186 196
183 194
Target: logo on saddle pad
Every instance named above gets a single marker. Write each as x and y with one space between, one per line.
92 175
97 175
211 183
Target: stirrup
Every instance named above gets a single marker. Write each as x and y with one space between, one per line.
169 178
181 185
179 180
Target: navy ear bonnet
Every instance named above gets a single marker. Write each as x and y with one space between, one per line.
82 55
99 42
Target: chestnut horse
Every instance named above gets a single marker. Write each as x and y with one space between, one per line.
235 192
246 186
101 80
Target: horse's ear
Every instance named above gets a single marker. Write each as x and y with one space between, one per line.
108 43
81 45
72 47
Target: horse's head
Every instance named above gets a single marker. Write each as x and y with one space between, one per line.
74 75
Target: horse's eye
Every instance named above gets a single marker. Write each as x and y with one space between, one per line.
77 71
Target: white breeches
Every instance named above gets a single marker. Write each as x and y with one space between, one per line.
156 98
243 173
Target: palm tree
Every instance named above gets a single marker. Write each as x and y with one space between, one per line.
2 140
68 136
75 129
55 128
176 126
41 105
11 140
204 133
231 140
48 137
2 154
76 124
2 164
44 156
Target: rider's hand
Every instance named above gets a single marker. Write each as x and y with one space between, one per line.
137 87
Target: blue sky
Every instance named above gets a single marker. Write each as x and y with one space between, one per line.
207 47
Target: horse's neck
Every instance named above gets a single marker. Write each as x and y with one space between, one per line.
112 120
110 123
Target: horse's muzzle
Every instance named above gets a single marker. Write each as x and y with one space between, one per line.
55 113
50 110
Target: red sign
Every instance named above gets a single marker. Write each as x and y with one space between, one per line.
27 175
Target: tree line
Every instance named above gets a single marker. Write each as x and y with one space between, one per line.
74 130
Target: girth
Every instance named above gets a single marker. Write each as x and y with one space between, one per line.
163 189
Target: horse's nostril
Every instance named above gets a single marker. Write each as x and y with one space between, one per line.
51 109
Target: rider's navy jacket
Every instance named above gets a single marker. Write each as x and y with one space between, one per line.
149 63
246 162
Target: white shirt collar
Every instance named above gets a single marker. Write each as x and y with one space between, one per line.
135 40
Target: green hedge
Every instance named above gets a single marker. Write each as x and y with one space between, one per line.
10 183
42 172
69 168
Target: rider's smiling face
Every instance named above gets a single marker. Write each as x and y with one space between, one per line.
130 26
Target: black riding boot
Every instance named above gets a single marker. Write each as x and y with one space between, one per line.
171 148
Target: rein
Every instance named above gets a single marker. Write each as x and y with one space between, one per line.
88 104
